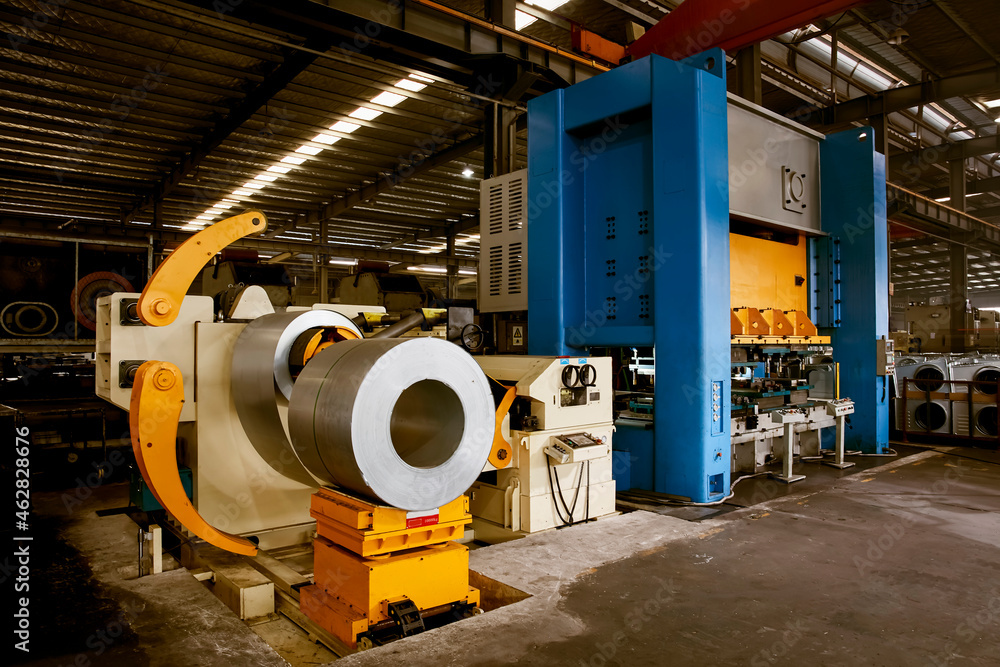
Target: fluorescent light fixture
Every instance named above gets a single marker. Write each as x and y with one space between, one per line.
410 84
344 126
344 262
308 150
466 272
364 113
947 199
325 138
522 20
191 228
388 99
428 269
992 104
467 172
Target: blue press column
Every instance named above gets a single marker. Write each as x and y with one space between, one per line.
691 295
548 202
628 245
854 211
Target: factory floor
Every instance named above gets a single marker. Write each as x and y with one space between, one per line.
894 562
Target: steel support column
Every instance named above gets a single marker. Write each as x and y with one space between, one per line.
959 293
748 76
856 217
880 124
956 184
451 285
501 12
324 264
498 147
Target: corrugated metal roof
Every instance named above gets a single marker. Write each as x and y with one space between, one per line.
103 100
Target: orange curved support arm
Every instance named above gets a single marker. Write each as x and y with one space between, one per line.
500 455
155 406
161 300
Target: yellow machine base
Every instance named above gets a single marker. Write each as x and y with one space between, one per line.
368 557
368 529
356 591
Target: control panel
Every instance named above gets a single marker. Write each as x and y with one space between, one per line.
840 407
885 356
575 447
787 416
717 401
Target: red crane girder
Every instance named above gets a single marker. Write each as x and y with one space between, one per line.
699 25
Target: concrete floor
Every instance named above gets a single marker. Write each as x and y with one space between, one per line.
897 565
89 607
894 565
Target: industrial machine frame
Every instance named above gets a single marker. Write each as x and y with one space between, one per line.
629 195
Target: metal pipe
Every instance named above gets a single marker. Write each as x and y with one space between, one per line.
401 327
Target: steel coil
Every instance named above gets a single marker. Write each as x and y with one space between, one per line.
262 383
408 422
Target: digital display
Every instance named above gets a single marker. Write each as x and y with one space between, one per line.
579 440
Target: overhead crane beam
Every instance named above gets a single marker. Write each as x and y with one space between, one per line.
892 100
698 25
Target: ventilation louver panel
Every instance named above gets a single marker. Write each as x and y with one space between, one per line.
503 268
